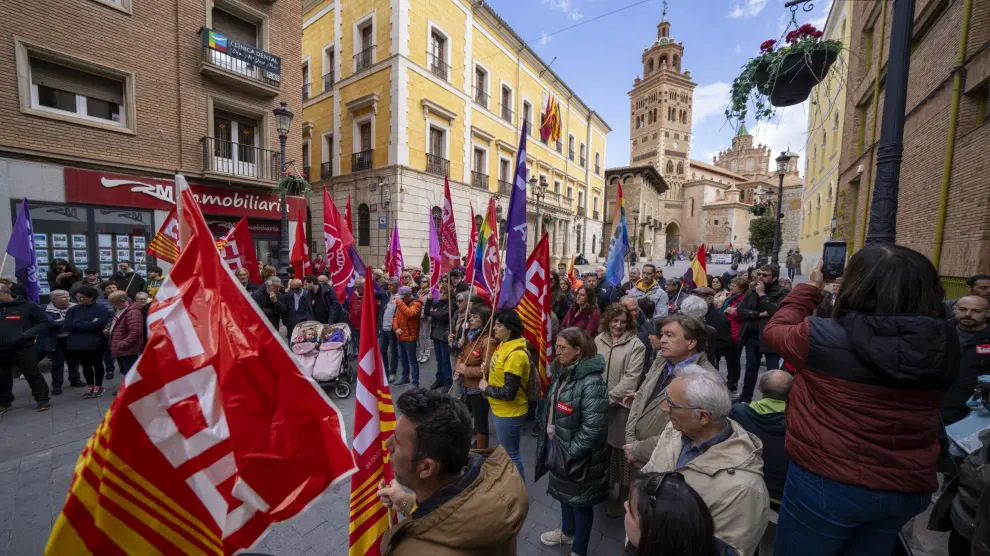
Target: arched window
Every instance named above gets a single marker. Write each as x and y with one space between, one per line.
670 167
649 66
663 61
437 213
364 225
677 62
680 168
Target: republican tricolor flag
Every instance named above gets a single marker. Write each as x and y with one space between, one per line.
696 275
374 423
215 435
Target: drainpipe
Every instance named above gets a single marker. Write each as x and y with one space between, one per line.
876 118
943 203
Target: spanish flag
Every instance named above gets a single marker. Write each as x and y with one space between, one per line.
697 274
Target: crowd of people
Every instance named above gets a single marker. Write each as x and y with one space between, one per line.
862 375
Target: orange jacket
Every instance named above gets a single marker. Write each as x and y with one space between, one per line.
406 319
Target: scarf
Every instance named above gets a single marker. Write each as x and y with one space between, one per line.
768 405
645 289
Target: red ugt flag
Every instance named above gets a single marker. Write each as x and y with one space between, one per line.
300 251
534 308
237 250
450 254
216 434
335 236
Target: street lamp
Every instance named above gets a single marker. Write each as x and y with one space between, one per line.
283 119
782 163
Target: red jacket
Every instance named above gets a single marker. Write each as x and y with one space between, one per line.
588 320
127 337
864 406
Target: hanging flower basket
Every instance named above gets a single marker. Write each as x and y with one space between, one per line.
782 76
293 183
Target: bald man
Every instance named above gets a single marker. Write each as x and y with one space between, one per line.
765 419
974 342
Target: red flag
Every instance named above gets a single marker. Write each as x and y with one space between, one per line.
300 251
450 255
237 250
336 238
534 308
347 217
374 423
472 245
215 435
491 265
165 244
572 275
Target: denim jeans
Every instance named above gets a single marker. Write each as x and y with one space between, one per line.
444 372
407 355
576 522
820 517
388 344
753 356
508 430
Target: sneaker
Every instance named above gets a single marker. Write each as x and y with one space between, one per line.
731 386
44 405
555 538
98 391
108 375
89 393
437 384
415 385
57 390
77 384
401 382
4 409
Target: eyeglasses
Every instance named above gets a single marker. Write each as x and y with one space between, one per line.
672 406
659 488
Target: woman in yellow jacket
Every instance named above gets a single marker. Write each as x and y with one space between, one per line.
506 383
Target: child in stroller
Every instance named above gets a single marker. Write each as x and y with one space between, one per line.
321 351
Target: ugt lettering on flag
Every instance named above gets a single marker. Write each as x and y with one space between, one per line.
215 435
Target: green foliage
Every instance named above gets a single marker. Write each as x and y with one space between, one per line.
426 263
761 234
293 183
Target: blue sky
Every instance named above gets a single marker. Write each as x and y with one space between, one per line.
600 59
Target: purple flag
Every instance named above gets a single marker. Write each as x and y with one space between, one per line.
514 281
435 263
21 247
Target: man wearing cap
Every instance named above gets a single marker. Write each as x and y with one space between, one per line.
405 324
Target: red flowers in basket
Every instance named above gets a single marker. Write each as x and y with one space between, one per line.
806 31
767 46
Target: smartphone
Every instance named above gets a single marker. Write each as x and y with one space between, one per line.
834 259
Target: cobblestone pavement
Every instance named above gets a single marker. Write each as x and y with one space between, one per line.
38 452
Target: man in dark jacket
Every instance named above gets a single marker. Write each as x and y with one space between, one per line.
765 419
53 342
270 301
20 323
974 341
323 302
756 308
605 292
298 305
717 320
127 280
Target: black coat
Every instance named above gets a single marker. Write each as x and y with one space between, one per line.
20 323
723 330
750 308
122 281
439 319
770 428
606 296
274 311
974 361
85 324
563 305
294 315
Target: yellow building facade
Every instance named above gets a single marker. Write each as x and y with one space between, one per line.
402 93
825 121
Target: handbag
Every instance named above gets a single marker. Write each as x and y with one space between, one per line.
560 463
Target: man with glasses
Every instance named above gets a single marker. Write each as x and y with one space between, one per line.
716 456
756 308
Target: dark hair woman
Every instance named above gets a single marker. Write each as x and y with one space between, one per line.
478 347
562 298
61 274
863 412
733 359
721 292
572 446
623 352
86 343
505 385
584 312
666 517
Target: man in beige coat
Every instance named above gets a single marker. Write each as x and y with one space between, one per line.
717 457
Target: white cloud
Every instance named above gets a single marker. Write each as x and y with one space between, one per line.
565 7
744 9
819 22
710 100
788 132
545 38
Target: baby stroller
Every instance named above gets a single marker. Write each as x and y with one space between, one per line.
321 351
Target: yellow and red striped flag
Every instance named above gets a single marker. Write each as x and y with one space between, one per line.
550 126
165 244
534 308
374 423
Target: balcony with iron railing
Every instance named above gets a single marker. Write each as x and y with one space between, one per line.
361 160
327 81
581 161
480 96
364 59
305 91
504 188
598 169
479 180
437 165
560 147
596 215
232 159
506 112
570 154
326 170
438 66
253 79
581 211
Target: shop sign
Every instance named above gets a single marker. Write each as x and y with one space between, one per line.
268 62
256 228
102 188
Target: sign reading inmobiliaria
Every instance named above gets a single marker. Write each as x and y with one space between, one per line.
121 190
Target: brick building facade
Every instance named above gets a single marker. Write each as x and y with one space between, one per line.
103 101
938 32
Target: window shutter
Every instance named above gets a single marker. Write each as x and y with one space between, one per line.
235 28
75 81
